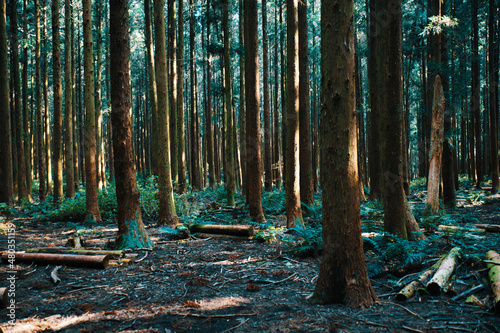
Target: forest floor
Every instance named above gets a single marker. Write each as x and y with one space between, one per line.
219 284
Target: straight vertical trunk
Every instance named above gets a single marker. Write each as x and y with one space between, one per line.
98 100
6 178
493 93
209 111
26 109
305 157
152 84
172 82
68 120
181 151
475 97
93 213
58 119
242 111
40 107
131 231
277 136
268 169
253 142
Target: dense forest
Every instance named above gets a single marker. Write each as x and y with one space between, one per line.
358 131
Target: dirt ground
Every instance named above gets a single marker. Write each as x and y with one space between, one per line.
228 285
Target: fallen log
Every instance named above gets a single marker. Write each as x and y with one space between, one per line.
444 272
73 260
3 298
70 250
75 242
412 287
231 230
494 275
489 227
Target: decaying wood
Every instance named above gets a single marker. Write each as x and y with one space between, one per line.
443 274
494 275
54 276
69 250
75 242
3 298
468 292
231 230
489 227
436 153
73 260
412 287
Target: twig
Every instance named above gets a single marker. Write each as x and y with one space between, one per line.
406 309
387 295
143 257
459 329
215 316
88 288
54 276
467 292
411 329
373 324
128 326
288 278
235 327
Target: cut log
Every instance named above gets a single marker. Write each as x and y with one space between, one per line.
494 275
412 287
3 298
489 227
222 237
75 242
436 153
69 250
231 230
443 274
73 260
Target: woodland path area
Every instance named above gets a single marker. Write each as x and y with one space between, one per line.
229 285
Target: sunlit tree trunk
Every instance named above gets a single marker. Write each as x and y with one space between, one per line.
45 75
209 111
268 177
343 277
242 113
92 205
172 82
292 167
6 177
40 107
131 231
181 151
475 97
58 135
228 128
253 141
22 193
100 172
151 84
26 108
68 120
167 214
305 154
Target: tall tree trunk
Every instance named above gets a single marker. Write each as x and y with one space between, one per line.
92 205
374 139
181 151
167 214
58 135
98 100
22 192
40 106
493 93
194 160
6 177
277 111
26 109
209 111
131 231
268 177
68 120
228 128
152 84
253 142
242 113
292 167
305 156
172 82
475 97
343 256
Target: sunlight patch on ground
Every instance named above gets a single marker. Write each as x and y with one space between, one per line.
222 303
53 323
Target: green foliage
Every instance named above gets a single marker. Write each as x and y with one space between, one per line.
309 240
274 203
419 184
270 234
439 23
372 210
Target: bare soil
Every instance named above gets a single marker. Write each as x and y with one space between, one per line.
229 285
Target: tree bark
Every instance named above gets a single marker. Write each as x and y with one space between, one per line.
40 107
100 171
58 135
71 260
167 214
181 151
26 109
6 177
437 138
93 213
68 117
475 97
343 277
493 93
172 82
305 154
253 142
131 231
292 166
242 111
268 168
209 111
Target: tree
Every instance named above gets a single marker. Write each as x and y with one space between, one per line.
6 182
209 114
58 136
305 154
343 276
229 139
92 205
292 169
40 106
68 100
167 214
131 231
152 82
475 97
181 150
253 142
172 82
26 108
17 110
268 169
493 93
